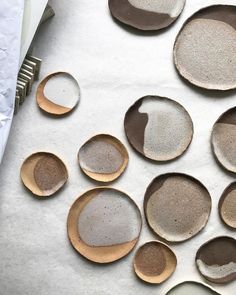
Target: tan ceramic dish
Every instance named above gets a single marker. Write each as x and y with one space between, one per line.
48 106
227 206
201 55
114 142
98 254
223 140
176 206
43 174
154 262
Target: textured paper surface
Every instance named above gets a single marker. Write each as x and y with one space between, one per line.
114 66
11 12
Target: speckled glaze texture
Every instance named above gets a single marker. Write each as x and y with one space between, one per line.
58 93
104 225
192 288
158 128
216 260
227 206
176 206
201 54
43 174
146 14
224 140
154 262
103 158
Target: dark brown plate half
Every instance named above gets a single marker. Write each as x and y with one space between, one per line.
147 15
216 260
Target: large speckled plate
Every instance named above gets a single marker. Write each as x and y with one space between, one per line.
177 206
104 224
204 50
159 128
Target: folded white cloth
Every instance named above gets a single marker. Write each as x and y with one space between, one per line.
11 14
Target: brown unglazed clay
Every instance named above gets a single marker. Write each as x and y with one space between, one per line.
146 14
176 206
227 206
158 128
58 93
103 158
104 225
154 262
204 50
223 140
43 174
216 260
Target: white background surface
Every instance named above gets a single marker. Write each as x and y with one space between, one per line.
114 66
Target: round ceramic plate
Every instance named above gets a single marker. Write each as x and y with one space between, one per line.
216 260
190 287
43 174
146 14
103 158
58 93
159 128
104 225
204 50
223 140
154 262
176 206
227 206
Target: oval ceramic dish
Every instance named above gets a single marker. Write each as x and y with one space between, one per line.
176 206
58 93
192 288
204 50
103 158
43 174
104 225
216 260
154 262
223 140
158 128
227 206
146 14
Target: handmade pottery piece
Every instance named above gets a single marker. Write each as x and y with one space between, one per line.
192 288
103 158
58 93
43 174
223 140
216 260
176 206
159 128
146 14
201 53
227 206
154 262
104 224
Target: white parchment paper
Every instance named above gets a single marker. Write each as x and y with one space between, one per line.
114 66
11 13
